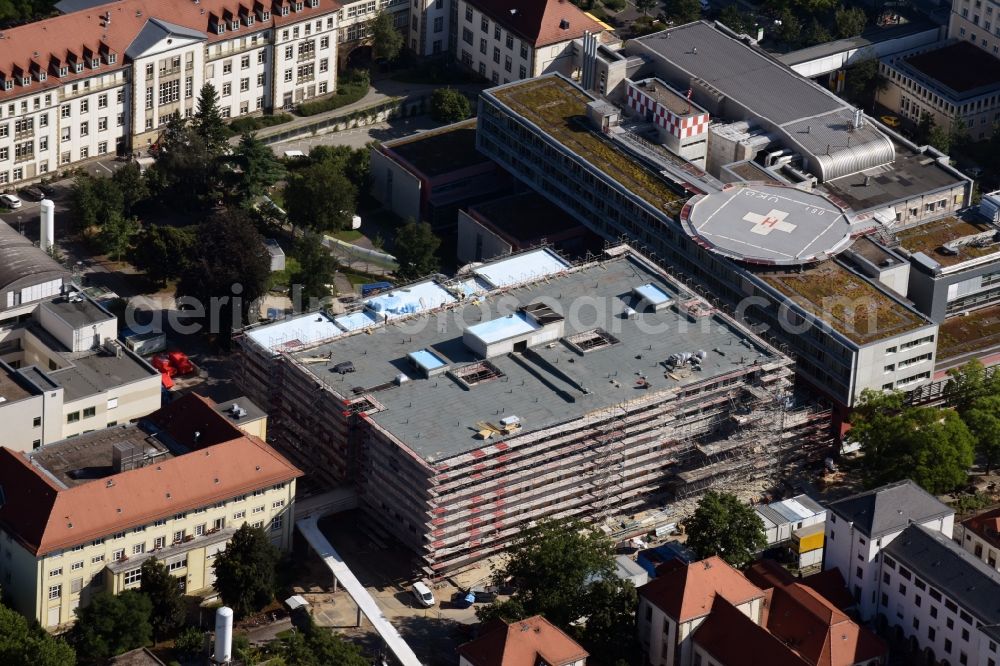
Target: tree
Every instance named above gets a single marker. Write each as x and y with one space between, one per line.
387 41
259 169
354 163
683 11
940 139
227 270
317 268
611 622
191 642
245 570
816 33
415 248
164 592
449 106
94 200
553 565
983 420
116 234
110 625
208 122
564 570
317 646
723 525
162 251
645 6
850 21
924 127
320 198
863 82
187 169
790 30
932 446
733 18
132 185
968 383
24 644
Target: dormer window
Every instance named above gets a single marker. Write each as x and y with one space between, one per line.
249 19
79 67
112 58
285 9
234 25
63 70
314 3
299 5
42 75
8 84
95 63
220 28
25 80
265 15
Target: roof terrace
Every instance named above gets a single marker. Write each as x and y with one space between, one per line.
852 304
932 237
559 109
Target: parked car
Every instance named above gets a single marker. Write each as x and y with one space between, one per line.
486 595
10 200
46 189
32 194
422 593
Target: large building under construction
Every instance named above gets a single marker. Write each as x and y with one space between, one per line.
465 409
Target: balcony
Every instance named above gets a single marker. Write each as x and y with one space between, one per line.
209 538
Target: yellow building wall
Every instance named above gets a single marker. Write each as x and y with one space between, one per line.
49 588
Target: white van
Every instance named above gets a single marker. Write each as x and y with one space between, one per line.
423 593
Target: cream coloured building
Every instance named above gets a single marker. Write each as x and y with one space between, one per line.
505 41
106 77
82 515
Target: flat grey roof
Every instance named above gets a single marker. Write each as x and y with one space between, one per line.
739 71
767 224
253 412
889 508
811 119
870 37
909 175
12 386
77 312
98 372
549 384
957 573
91 455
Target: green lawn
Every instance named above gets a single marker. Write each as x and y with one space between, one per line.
348 235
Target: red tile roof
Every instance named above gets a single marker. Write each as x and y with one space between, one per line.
768 573
688 592
817 630
986 526
539 22
44 44
45 517
831 586
733 639
524 643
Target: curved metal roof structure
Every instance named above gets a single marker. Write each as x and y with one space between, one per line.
736 81
21 263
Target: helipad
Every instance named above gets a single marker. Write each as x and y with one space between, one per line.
767 224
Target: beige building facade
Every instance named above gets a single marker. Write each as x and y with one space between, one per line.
170 493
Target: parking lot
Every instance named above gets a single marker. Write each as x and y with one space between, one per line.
387 573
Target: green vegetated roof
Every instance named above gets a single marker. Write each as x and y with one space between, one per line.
975 331
560 109
928 238
851 304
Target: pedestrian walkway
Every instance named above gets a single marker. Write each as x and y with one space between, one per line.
309 528
382 91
